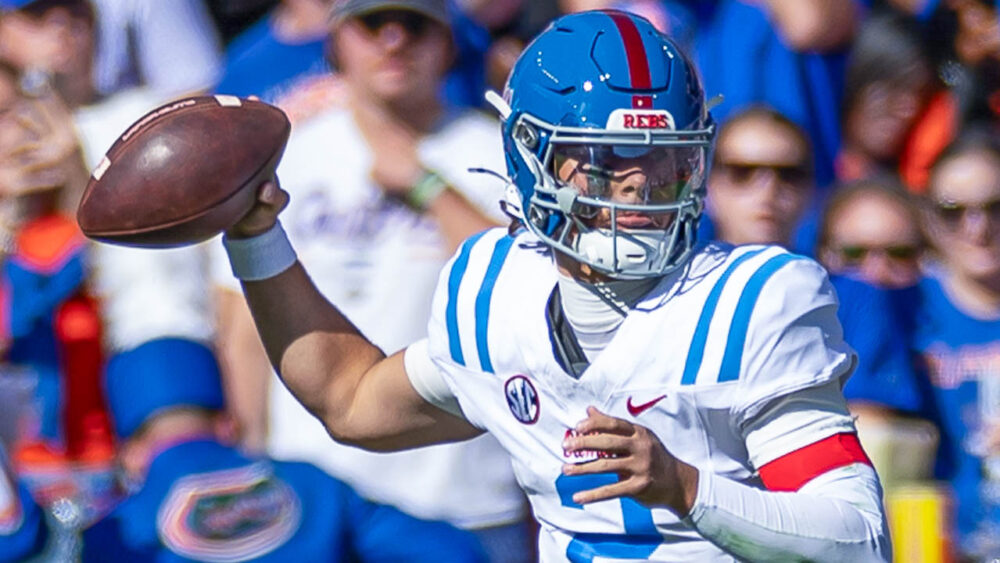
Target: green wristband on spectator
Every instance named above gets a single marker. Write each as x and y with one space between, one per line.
426 190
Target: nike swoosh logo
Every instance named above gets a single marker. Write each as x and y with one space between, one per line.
636 410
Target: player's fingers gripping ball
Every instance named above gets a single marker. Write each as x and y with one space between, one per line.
271 200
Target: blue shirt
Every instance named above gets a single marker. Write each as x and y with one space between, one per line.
962 354
259 63
28 534
885 374
202 499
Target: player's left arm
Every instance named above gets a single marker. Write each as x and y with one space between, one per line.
823 499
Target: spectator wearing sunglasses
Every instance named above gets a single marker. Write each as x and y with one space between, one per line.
957 331
871 230
870 241
761 179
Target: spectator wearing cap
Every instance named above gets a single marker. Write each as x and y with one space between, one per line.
382 195
195 498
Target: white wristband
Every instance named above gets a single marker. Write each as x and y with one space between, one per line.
261 257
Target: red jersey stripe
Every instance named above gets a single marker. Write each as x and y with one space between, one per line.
793 470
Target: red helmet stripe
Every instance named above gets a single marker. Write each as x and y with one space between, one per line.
635 51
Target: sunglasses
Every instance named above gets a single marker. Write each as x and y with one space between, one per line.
952 213
855 254
746 172
415 24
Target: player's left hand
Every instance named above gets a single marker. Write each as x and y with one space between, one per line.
647 471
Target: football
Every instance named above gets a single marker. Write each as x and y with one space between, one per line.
184 172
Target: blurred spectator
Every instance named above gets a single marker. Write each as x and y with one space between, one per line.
761 179
886 392
889 81
381 195
49 322
170 47
786 54
971 69
195 498
871 230
281 48
144 295
52 40
977 46
957 329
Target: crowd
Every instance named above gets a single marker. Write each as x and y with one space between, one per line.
139 409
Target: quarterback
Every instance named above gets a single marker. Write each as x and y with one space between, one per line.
661 400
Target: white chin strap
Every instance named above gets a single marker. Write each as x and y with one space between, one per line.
635 251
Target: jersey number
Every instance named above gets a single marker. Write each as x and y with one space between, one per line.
639 540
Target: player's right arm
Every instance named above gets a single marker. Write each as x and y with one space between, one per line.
362 397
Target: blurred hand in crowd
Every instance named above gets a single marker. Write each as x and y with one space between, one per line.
40 162
38 147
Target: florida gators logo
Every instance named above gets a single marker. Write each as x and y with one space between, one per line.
230 515
522 399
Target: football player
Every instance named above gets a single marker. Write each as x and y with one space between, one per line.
661 400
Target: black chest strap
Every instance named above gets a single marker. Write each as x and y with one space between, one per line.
565 347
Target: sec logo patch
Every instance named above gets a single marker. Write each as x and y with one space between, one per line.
522 399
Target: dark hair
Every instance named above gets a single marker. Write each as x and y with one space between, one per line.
888 48
768 115
77 8
976 137
887 186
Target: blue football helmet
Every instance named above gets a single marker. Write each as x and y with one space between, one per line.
607 141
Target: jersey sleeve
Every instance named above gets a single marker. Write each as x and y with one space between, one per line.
793 337
427 379
455 340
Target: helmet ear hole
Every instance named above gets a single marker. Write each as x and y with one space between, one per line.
527 135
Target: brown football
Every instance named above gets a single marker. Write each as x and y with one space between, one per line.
184 172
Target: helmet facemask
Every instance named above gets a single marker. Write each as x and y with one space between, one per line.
626 203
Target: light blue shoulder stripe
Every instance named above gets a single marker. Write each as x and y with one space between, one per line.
733 356
451 310
697 351
484 297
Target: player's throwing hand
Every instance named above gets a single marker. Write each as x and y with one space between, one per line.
646 471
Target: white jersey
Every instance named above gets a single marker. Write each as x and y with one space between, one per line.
379 261
695 361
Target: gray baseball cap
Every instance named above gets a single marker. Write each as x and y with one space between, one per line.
434 9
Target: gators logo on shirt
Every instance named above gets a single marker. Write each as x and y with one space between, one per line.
229 515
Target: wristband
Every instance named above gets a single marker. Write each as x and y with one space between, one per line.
426 190
261 257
